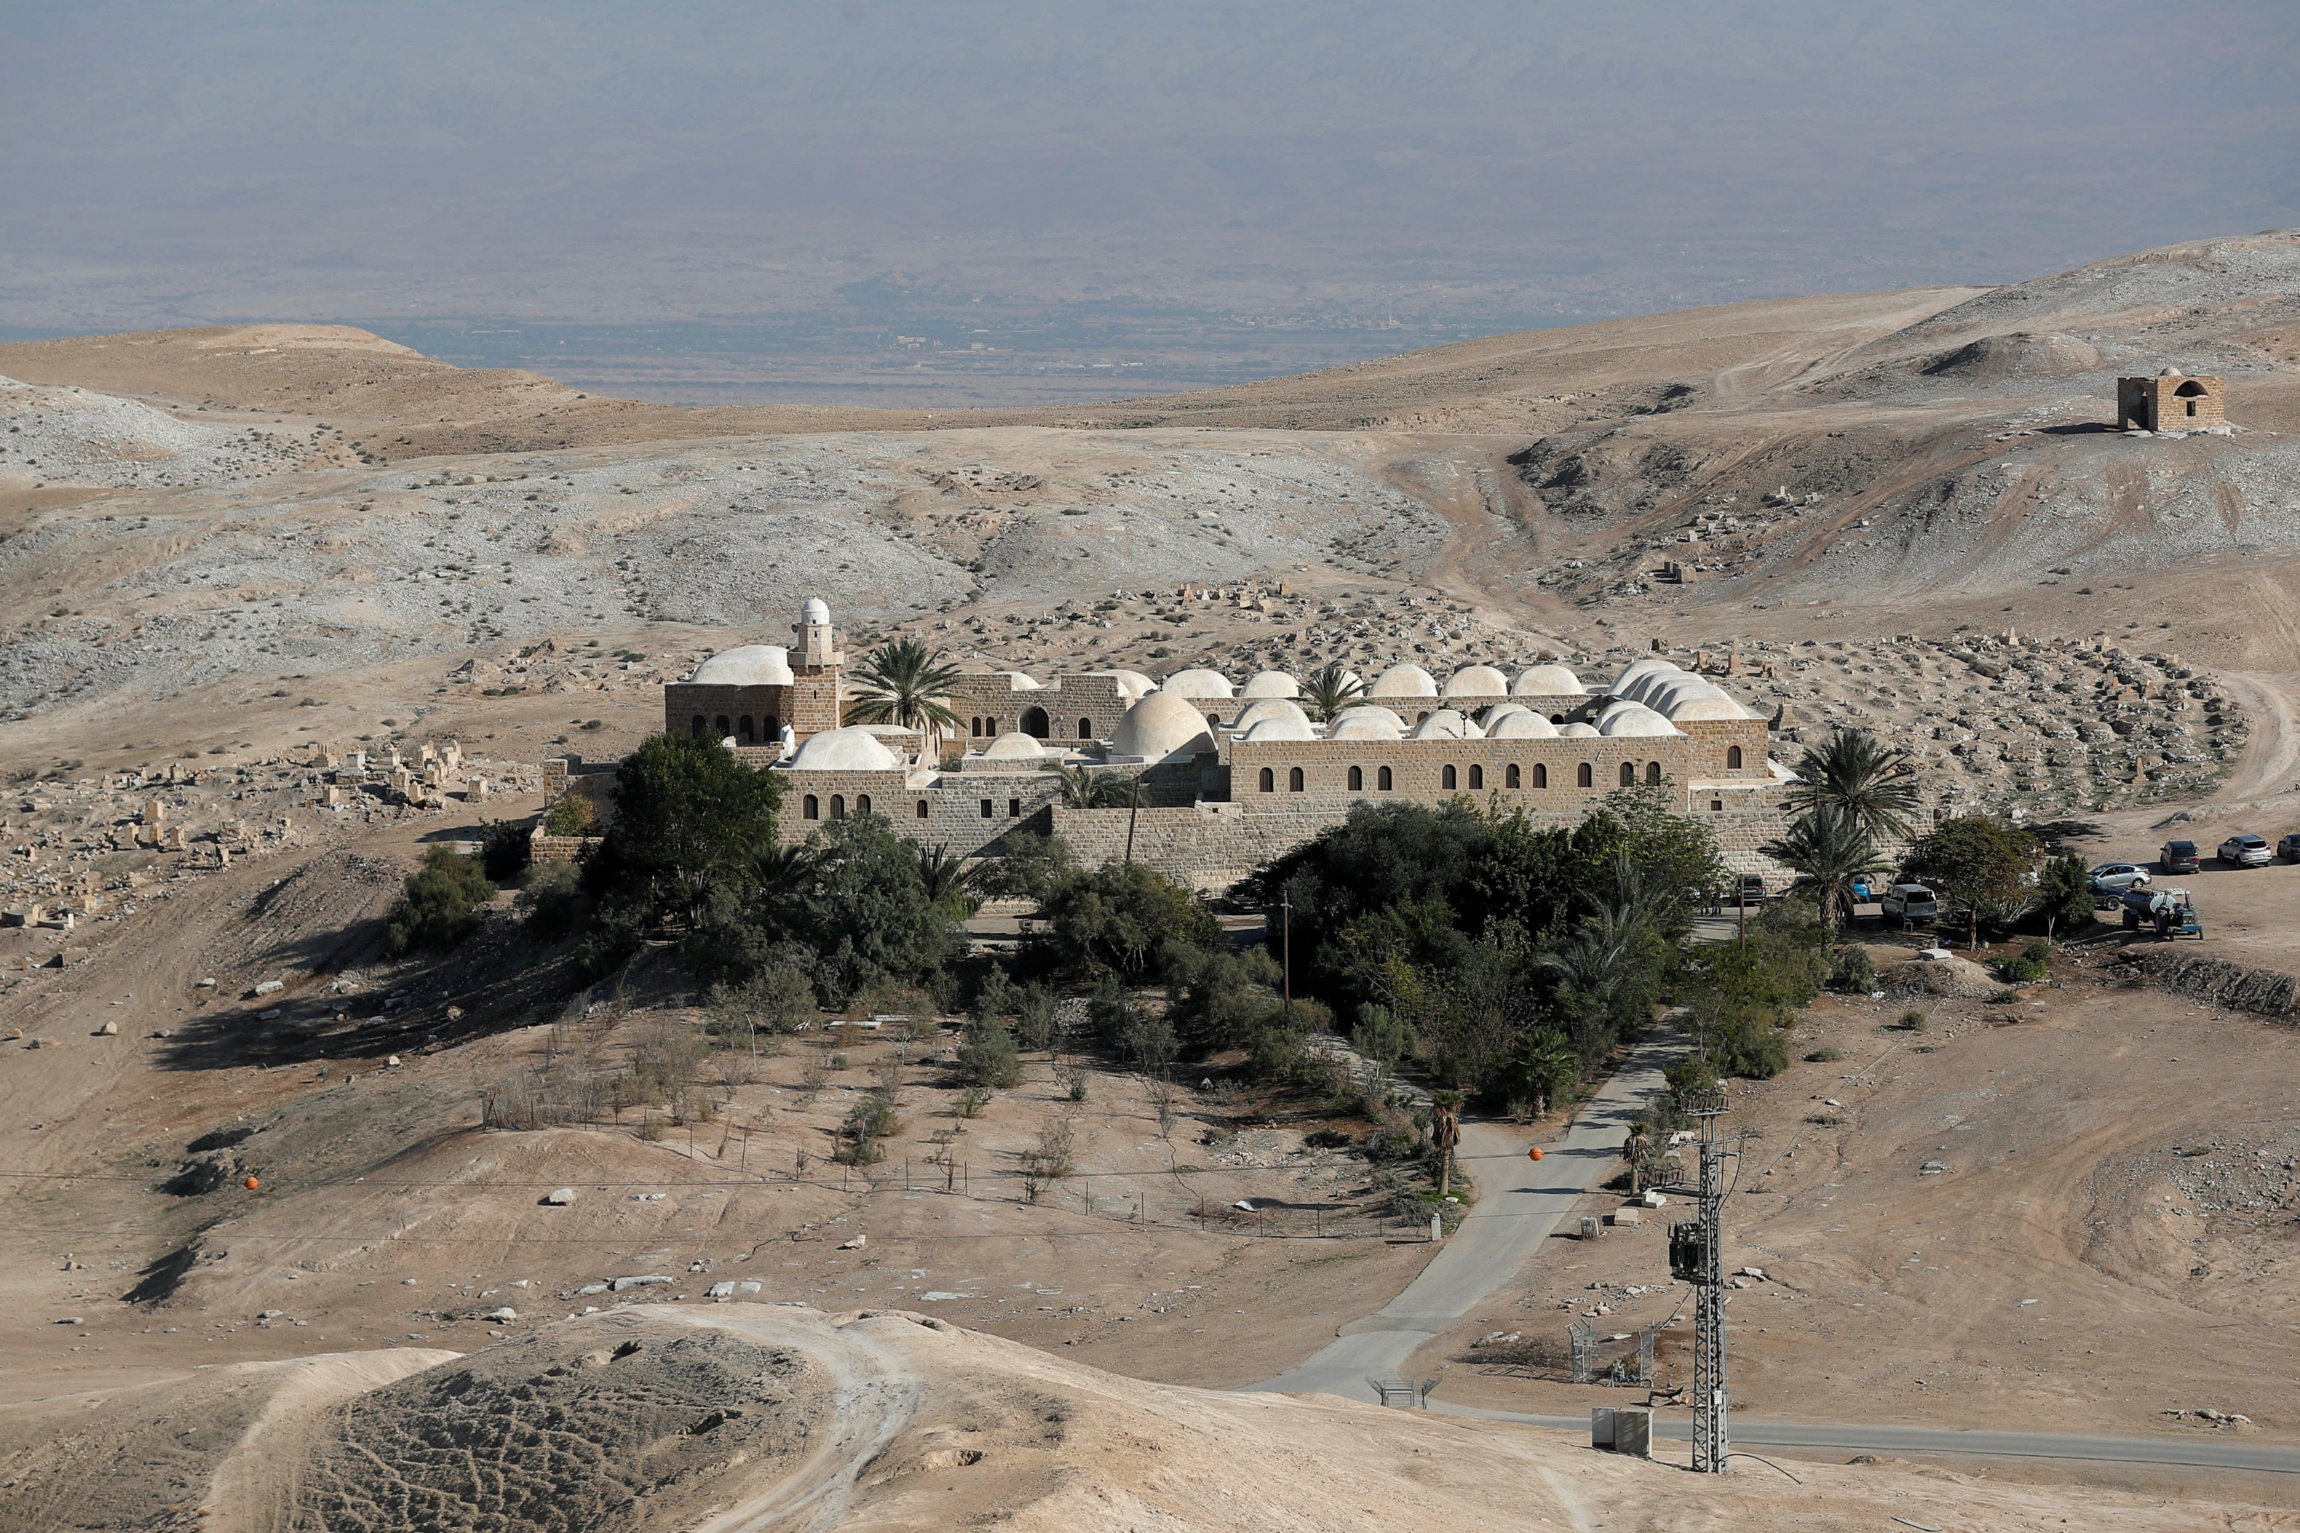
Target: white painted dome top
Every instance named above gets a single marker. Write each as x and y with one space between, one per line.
1577 732
1718 707
1161 727
1445 724
2170 372
1279 728
1498 712
1522 725
1014 745
1547 681
1197 683
1271 684
1639 667
1633 720
816 611
1367 724
1666 691
1132 685
1373 711
852 749
1404 680
1021 681
1262 708
748 665
1477 681
1647 683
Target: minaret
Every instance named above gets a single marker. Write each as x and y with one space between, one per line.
817 699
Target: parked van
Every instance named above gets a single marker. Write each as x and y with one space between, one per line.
2176 857
1907 903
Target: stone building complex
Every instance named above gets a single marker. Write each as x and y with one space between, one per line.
1222 777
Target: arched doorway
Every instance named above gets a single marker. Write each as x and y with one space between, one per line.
1034 723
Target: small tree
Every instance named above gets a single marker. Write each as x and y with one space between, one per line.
439 905
1829 846
1981 863
988 1058
689 817
2064 894
504 849
904 682
1330 691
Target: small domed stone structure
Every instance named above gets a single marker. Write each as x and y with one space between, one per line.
1271 684
1197 683
852 749
1403 680
1161 727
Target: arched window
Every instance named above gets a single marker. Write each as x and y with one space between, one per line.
1582 775
774 730
1213 721
1447 777
974 727
1540 775
1653 771
1034 723
1422 717
1383 781
1732 758
1085 729
812 809
724 729
1357 779
1269 782
862 803
1557 718
922 809
1477 777
1510 777
1629 774
1294 780
743 729
838 806
698 726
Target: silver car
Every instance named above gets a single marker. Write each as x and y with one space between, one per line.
2245 851
2116 877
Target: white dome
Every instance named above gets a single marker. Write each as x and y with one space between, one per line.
1477 681
1637 668
1718 707
1404 681
1371 711
1577 732
1667 691
1367 724
1272 684
750 665
1021 681
845 750
1159 728
1547 681
1521 726
1632 720
1278 728
2170 372
1197 683
816 611
1013 746
1445 724
1500 711
1132 685
1263 708
1660 678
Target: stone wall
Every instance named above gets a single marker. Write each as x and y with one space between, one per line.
764 708
969 813
2163 403
1074 708
1568 775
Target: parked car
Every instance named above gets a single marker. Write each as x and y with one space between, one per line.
2116 877
1749 889
2289 847
2245 851
2176 857
1906 903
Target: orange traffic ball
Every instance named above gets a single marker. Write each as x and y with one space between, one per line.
251 1184
1532 1154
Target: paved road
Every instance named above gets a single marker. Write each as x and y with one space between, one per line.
1519 1204
2214 1452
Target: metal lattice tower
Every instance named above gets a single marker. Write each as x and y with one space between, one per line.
1712 1436
1697 1256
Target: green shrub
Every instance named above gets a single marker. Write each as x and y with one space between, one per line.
504 850
1824 1056
1912 1022
570 816
440 905
988 1058
1854 972
551 901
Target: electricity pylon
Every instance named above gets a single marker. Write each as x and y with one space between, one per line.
1697 1256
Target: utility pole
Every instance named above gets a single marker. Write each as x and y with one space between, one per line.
1697 1256
1133 812
1286 953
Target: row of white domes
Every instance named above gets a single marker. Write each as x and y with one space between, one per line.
1674 692
1398 681
1165 725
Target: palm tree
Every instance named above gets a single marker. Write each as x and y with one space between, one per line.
1080 788
1852 774
1330 691
1828 846
903 682
945 878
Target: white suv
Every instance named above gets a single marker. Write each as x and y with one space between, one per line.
2116 877
2245 852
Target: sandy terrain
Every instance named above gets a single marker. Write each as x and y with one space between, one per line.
227 551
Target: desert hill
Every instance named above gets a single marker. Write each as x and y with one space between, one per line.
758 1417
